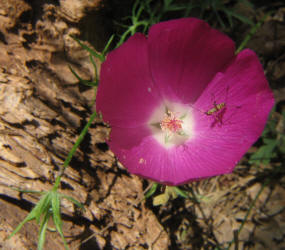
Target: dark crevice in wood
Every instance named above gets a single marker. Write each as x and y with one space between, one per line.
27 206
15 164
103 146
32 122
37 9
2 38
73 109
31 64
65 185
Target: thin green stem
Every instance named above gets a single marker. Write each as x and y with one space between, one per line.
95 69
251 33
248 212
74 148
105 50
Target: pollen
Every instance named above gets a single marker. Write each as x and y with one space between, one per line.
171 124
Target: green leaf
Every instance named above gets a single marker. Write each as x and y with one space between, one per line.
56 215
91 51
34 214
270 128
281 136
42 232
181 192
104 52
238 16
55 204
188 9
220 20
74 148
95 69
27 191
230 19
43 205
265 183
175 7
252 32
77 203
264 153
30 216
151 191
85 82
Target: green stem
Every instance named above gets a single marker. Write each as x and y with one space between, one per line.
248 212
72 151
251 33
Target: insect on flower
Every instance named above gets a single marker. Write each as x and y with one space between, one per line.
217 111
218 108
182 110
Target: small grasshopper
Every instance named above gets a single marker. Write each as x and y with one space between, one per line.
220 109
217 111
216 108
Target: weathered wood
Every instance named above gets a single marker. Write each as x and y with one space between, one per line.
42 110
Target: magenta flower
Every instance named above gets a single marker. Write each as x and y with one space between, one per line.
181 105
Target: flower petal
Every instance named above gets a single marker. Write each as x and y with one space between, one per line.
216 145
126 94
245 92
128 137
184 55
177 165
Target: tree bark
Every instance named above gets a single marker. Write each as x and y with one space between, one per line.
42 111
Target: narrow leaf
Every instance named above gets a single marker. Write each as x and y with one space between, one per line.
30 216
55 204
27 190
43 206
107 45
85 82
74 148
151 191
181 192
264 153
91 51
95 69
42 232
239 17
34 214
77 203
57 217
251 33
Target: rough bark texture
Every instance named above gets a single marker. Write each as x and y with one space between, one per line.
42 111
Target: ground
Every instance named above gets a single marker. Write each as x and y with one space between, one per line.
43 109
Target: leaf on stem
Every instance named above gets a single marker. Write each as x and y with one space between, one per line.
43 228
87 48
77 203
55 204
34 214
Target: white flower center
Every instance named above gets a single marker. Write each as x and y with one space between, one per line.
172 124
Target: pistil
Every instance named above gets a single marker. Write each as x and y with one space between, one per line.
171 124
